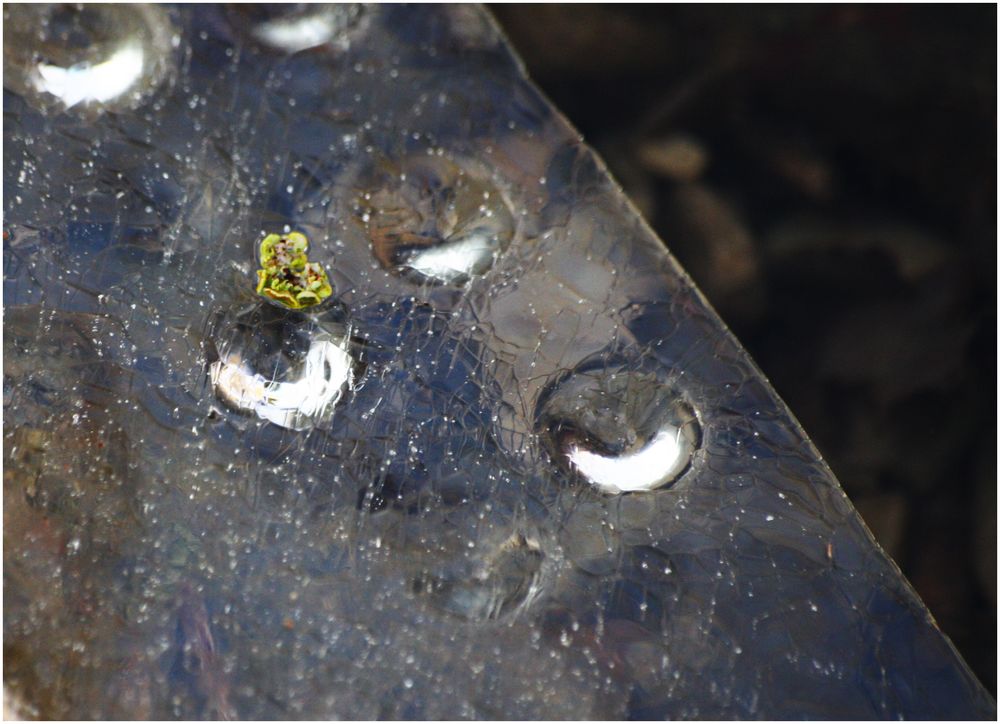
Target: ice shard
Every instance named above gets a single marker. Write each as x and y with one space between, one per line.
513 467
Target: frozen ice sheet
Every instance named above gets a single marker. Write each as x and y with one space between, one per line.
439 529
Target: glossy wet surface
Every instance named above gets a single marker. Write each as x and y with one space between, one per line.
411 501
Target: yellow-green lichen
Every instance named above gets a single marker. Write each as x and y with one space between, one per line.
286 274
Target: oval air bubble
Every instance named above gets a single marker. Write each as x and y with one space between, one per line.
96 56
286 368
619 430
294 27
432 221
504 580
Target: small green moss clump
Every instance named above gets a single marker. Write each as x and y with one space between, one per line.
286 274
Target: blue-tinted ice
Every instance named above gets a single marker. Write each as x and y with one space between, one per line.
514 467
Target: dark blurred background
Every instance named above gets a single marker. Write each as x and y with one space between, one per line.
827 174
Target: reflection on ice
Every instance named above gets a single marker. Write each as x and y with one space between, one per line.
100 82
431 219
297 30
295 34
309 390
315 386
656 463
620 430
458 258
285 367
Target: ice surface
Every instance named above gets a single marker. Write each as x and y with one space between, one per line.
423 546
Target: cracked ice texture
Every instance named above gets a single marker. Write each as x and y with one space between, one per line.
422 551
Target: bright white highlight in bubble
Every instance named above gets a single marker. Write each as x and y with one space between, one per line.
658 461
297 403
295 34
98 83
456 259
